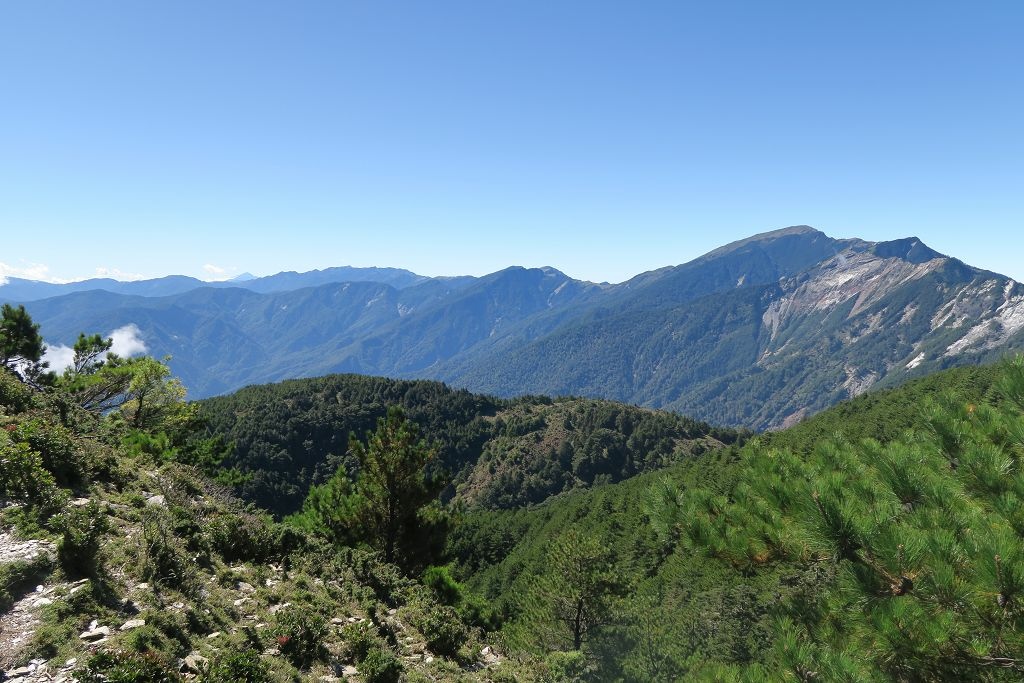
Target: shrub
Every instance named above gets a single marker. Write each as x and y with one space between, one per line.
245 666
380 666
566 667
164 561
22 475
79 547
144 639
126 667
59 453
243 538
442 629
300 635
359 639
445 588
14 394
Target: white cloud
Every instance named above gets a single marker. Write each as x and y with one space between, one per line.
28 271
59 357
118 274
218 273
127 342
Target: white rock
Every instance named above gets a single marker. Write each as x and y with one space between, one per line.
95 634
133 623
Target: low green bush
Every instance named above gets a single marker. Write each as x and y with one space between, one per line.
244 537
300 634
380 666
359 639
444 586
60 455
22 475
442 629
78 549
15 396
244 666
126 667
164 561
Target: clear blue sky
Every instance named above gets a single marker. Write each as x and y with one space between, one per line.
601 138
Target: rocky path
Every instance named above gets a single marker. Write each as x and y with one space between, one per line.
19 622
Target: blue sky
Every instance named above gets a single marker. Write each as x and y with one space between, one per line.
601 138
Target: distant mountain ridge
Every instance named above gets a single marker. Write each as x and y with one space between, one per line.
19 289
757 333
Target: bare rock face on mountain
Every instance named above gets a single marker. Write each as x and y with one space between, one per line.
757 333
771 350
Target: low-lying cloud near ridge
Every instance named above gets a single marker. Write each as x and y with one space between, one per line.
127 342
28 271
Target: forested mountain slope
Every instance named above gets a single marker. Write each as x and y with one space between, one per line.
816 553
493 452
121 560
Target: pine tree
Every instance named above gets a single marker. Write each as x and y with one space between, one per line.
578 594
21 345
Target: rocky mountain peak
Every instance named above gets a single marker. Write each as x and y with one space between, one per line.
909 249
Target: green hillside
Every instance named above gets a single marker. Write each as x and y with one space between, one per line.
494 452
877 541
120 562
445 536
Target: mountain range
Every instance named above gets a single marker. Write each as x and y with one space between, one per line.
758 333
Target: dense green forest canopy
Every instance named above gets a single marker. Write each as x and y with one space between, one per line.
496 452
879 540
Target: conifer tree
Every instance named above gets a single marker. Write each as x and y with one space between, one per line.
21 345
922 538
392 503
577 596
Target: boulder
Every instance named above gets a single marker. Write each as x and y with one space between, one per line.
95 634
195 663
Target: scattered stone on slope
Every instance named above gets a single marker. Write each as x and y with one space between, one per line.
22 619
14 550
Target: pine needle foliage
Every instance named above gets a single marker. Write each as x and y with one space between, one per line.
923 536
